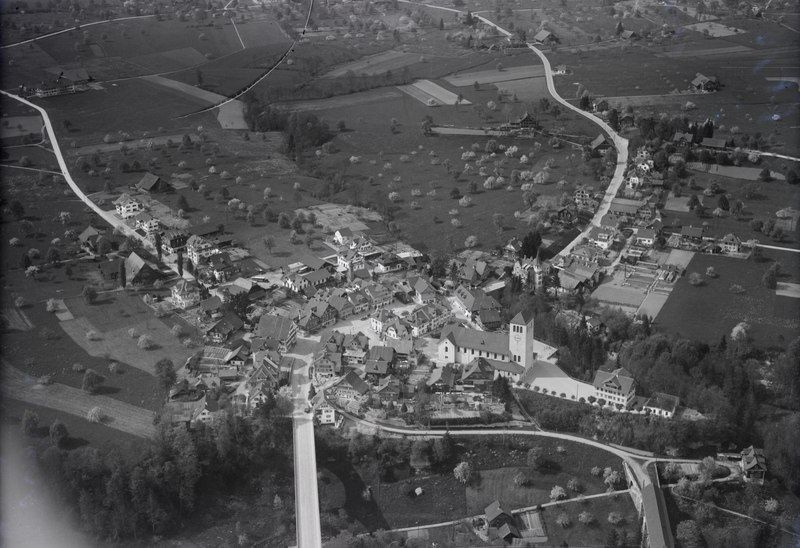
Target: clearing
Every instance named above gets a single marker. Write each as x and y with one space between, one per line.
121 416
374 64
715 30
495 76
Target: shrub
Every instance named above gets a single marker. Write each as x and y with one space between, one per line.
115 367
145 342
95 415
29 423
463 472
586 518
177 330
771 505
471 241
574 485
78 367
91 381
596 471
615 518
558 493
132 333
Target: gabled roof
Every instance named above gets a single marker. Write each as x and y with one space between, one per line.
753 459
271 326
149 180
542 35
356 383
124 198
317 276
442 375
619 379
523 317
226 325
134 264
692 231
89 232
713 143
381 353
211 304
479 340
477 366
598 141
662 401
494 510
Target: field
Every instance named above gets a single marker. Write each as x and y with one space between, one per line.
374 64
597 533
709 311
495 76
431 94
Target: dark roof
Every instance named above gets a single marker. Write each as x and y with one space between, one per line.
226 325
271 326
598 141
692 231
711 142
356 383
149 181
662 401
494 511
211 304
619 379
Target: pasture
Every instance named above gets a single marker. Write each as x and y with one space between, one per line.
711 310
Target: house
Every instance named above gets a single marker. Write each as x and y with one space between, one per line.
477 376
199 248
622 209
389 390
428 318
601 237
318 278
138 271
220 266
327 365
378 361
342 305
127 207
599 144
526 121
352 388
185 294
221 330
378 295
545 37
296 282
148 223
345 236
461 345
615 387
705 83
88 239
396 328
474 272
496 516
424 292
645 237
578 277
152 183
354 348
477 305
629 35
350 259
315 315
324 412
754 465
508 532
211 307
209 412
661 405
389 262
512 248
173 241
508 370
692 234
442 379
530 271
278 331
713 144
730 243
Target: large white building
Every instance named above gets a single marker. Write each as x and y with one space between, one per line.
512 352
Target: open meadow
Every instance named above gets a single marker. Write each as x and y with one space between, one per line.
711 310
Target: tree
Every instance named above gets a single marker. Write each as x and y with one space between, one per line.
706 468
563 520
723 202
91 381
145 342
791 177
522 479
770 277
29 423
558 493
688 534
269 243
534 458
443 448
765 175
157 243
89 294
179 263
183 203
463 472
615 518
696 279
613 119
53 256
586 518
165 372
123 275
58 433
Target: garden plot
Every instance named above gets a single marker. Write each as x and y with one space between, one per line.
16 319
651 100
652 304
230 115
788 289
730 50
495 76
119 415
334 216
735 172
163 213
677 203
679 258
20 126
375 64
715 30
342 101
527 89
431 94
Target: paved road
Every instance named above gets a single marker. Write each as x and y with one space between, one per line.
83 26
309 532
779 248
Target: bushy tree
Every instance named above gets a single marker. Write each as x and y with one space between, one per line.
463 472
165 372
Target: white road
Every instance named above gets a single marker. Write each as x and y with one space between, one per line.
83 26
309 532
620 143
107 216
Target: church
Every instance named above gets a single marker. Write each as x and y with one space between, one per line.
509 354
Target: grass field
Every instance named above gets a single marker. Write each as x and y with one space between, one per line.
709 311
595 534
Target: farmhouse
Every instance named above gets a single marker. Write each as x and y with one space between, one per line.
599 144
152 183
68 81
754 465
424 292
714 144
629 35
478 306
352 387
148 223
224 328
496 516
127 207
615 387
530 271
545 37
730 243
645 237
199 248
661 405
138 271
705 83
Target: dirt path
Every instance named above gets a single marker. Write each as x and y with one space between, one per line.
122 416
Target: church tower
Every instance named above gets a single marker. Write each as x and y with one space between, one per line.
520 339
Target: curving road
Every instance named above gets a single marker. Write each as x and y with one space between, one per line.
107 216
